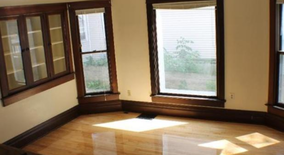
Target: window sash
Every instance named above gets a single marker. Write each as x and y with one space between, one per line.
90 11
185 5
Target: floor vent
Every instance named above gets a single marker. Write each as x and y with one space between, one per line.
147 116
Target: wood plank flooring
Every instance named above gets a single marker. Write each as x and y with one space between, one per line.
123 134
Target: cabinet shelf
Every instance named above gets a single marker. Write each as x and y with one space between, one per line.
58 58
58 42
55 28
36 31
9 36
14 71
8 54
37 65
37 47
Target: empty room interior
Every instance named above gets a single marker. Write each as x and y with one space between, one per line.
142 77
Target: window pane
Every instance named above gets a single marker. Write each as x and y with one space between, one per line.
12 52
282 27
187 51
36 47
57 43
281 80
92 32
96 72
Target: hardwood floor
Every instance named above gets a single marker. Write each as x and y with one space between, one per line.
123 134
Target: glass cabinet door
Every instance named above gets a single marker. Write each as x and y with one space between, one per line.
12 53
57 43
36 46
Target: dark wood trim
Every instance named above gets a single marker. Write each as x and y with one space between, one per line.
111 50
38 89
100 107
158 96
185 110
76 53
43 128
276 110
168 1
30 9
189 100
220 50
89 4
152 35
272 94
98 98
275 122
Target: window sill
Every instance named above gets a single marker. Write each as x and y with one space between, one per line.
276 110
197 101
98 98
35 90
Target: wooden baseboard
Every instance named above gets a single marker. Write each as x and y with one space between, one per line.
182 110
219 114
275 122
43 128
100 107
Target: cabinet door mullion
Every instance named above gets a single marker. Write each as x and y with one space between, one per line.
46 40
26 51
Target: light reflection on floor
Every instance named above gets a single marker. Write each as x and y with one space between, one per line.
104 143
97 135
173 145
140 125
226 146
258 140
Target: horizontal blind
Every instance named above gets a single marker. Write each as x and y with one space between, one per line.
280 2
90 11
185 5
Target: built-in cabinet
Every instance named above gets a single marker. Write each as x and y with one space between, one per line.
34 47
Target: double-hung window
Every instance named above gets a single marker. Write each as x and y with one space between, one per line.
276 81
94 51
186 49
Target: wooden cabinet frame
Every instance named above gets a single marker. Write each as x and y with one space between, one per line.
20 13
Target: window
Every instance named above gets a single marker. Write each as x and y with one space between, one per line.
34 51
276 71
186 52
94 54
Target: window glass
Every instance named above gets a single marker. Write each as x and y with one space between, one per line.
94 25
57 43
12 54
37 52
96 72
186 40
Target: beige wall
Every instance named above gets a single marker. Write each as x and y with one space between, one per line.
21 116
246 48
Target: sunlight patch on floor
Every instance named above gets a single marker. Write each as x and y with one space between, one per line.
140 125
227 147
258 140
